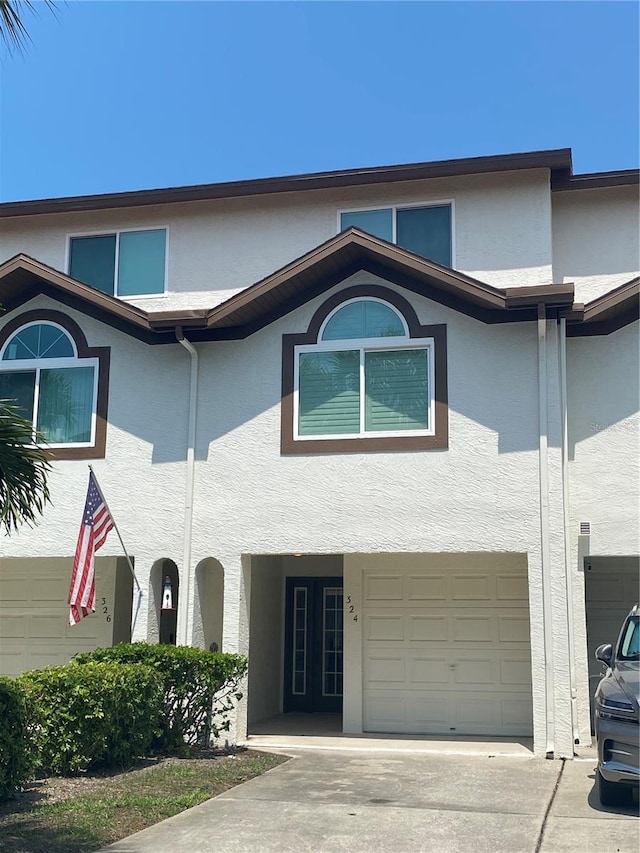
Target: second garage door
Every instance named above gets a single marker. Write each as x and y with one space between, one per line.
447 651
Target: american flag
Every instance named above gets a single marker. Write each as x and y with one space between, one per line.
96 524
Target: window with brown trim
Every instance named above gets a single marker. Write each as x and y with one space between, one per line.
57 382
365 376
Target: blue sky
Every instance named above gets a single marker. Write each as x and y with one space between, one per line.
114 96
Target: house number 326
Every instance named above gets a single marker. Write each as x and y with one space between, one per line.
351 610
105 610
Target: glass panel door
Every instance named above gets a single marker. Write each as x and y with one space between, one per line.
313 645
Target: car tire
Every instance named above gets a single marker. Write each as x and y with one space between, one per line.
611 793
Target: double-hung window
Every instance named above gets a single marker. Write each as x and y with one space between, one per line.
42 374
425 230
366 375
121 263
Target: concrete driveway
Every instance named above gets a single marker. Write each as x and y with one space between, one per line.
326 801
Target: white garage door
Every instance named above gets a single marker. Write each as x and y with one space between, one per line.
447 651
34 614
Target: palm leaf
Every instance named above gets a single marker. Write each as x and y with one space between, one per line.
23 471
12 28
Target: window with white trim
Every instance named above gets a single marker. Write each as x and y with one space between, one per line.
52 386
121 263
425 230
364 376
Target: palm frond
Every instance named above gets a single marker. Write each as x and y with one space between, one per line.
23 471
13 31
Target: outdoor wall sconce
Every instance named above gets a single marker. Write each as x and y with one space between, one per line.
167 594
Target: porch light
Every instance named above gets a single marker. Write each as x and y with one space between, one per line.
167 594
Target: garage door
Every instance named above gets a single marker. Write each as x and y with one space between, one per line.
34 629
447 651
611 590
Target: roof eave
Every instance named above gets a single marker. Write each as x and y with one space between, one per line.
557 160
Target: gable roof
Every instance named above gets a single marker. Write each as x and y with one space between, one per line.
253 308
606 313
352 251
23 277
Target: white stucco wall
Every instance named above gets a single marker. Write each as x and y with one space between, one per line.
143 475
596 239
482 494
603 378
502 232
603 375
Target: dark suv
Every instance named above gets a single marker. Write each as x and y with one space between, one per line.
617 717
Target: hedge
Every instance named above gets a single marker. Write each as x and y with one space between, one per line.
101 713
15 757
200 687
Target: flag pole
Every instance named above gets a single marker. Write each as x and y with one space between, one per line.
116 529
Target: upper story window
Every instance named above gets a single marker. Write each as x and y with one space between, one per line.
122 263
365 376
57 382
424 230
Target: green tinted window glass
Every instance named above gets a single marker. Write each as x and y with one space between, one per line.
65 404
364 319
18 388
41 341
427 232
376 222
93 261
329 393
397 393
141 262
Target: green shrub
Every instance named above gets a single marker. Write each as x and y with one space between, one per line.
102 713
200 687
15 759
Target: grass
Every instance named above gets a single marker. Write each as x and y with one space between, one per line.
83 814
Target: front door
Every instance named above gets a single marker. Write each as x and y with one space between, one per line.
313 645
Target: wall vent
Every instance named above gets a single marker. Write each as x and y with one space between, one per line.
585 528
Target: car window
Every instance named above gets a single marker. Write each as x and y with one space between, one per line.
630 645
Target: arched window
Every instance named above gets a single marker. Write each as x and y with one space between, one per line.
365 375
53 378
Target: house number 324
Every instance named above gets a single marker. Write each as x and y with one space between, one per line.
351 610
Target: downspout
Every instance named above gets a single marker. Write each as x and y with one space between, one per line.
545 550
567 537
183 632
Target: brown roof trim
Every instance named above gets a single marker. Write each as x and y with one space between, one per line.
562 182
607 313
23 277
554 159
354 250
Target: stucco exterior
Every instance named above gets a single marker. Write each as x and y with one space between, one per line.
223 246
508 487
596 239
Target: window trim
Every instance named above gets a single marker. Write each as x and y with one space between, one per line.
117 232
99 356
436 438
408 206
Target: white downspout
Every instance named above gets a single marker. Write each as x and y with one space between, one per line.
183 632
544 526
567 536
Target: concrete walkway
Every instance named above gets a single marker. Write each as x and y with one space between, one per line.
399 802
